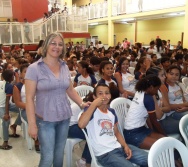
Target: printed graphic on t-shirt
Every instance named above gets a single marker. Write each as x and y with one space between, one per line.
83 83
178 94
107 127
131 80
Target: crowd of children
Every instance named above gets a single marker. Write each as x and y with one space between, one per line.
157 98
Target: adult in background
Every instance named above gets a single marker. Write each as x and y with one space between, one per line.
26 30
49 80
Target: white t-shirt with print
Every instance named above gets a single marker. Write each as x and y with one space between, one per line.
138 111
175 96
128 82
100 130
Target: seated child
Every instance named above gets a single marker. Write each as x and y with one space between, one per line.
107 142
70 66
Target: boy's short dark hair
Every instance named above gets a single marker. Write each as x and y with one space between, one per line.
178 56
95 60
164 59
173 61
186 57
153 55
7 75
152 43
116 54
134 54
106 52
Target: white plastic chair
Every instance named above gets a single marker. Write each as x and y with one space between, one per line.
131 70
94 162
83 90
183 126
25 132
162 153
68 149
121 105
185 81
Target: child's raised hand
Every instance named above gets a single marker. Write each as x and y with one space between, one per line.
99 101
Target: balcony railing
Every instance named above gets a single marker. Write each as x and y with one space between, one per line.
16 33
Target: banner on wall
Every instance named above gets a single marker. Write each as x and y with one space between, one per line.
135 6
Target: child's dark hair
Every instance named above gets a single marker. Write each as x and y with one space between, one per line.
133 53
140 61
95 88
116 54
22 61
153 55
173 61
153 70
121 60
178 56
85 65
5 66
102 65
146 82
186 57
70 62
95 60
114 91
8 75
23 66
164 59
171 67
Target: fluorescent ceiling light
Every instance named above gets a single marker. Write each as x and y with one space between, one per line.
124 22
93 24
128 19
176 14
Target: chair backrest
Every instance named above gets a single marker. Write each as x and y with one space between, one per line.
83 90
162 152
183 126
185 81
120 105
131 70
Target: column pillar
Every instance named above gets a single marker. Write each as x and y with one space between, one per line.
185 37
110 25
110 33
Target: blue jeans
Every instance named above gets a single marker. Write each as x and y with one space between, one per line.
76 132
52 137
178 115
117 158
170 125
5 124
13 108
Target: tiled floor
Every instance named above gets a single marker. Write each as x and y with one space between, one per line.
20 156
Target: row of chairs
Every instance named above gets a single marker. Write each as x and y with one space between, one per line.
162 151
121 106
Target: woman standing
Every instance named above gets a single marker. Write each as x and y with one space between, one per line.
49 80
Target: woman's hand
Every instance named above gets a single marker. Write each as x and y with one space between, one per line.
33 131
6 117
83 105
